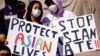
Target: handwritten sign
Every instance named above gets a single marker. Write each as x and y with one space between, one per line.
79 33
31 39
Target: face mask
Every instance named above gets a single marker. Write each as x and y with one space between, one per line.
36 12
53 8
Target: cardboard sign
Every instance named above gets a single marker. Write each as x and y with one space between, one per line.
80 34
31 39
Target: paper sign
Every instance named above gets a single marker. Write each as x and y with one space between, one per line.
79 33
31 39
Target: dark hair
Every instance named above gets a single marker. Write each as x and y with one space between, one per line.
11 2
20 4
29 10
48 2
3 47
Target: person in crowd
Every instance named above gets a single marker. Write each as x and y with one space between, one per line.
10 10
21 5
2 35
34 12
57 12
5 51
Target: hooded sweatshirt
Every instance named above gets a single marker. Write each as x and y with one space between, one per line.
51 17
56 16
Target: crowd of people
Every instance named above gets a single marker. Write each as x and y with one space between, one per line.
34 13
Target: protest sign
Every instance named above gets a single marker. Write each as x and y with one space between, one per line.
80 34
30 39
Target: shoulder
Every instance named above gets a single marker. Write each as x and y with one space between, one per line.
4 9
69 14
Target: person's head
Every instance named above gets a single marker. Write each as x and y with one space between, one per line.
55 6
4 51
34 10
21 5
11 3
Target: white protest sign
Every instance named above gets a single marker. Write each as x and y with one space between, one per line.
31 39
80 34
